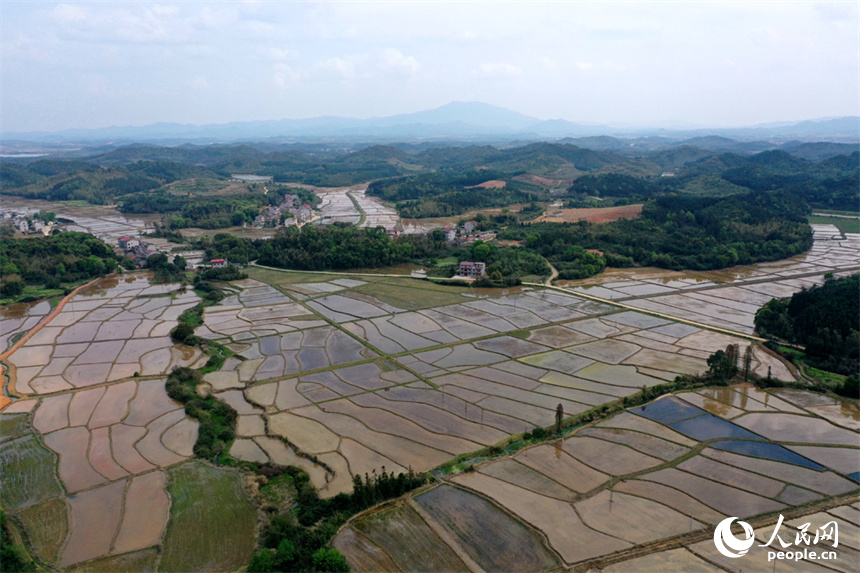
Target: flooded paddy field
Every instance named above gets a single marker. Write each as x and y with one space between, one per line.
107 332
344 374
361 372
89 442
336 206
640 478
728 298
104 222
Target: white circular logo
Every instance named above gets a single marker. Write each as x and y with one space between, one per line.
726 541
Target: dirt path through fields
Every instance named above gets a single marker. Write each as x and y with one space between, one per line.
10 386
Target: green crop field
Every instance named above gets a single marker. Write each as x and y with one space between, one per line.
12 426
27 473
143 561
212 523
47 525
414 294
843 224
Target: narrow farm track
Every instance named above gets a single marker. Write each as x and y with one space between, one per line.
10 373
44 322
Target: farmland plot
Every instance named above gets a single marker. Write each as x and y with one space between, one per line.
651 498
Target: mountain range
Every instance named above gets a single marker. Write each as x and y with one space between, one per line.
465 121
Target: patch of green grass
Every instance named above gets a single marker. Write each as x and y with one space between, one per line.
143 560
828 378
446 261
32 294
835 212
28 473
273 277
280 491
521 334
841 223
413 294
13 426
47 525
831 380
212 522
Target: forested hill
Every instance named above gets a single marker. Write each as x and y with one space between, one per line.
55 261
699 233
426 181
825 319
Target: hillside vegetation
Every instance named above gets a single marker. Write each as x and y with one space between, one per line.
439 181
825 319
52 262
680 233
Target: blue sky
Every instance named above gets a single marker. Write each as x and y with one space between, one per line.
97 64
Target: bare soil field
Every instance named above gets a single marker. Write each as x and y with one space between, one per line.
491 184
597 215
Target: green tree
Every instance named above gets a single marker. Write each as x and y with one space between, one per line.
11 285
720 366
262 562
330 560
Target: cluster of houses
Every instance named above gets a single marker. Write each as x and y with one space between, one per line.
27 224
271 216
467 233
136 249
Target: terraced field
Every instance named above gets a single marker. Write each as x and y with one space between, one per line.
342 374
653 480
729 298
361 381
84 451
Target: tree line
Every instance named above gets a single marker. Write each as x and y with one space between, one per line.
825 319
53 261
699 233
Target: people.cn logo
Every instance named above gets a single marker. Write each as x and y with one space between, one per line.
727 543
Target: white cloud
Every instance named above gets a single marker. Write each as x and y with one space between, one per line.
394 64
69 13
337 68
285 76
584 66
500 70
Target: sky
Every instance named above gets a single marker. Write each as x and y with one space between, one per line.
715 64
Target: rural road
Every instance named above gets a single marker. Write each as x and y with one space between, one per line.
552 277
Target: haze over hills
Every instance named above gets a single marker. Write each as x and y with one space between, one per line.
466 121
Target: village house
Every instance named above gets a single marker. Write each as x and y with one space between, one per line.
128 243
471 270
470 226
218 263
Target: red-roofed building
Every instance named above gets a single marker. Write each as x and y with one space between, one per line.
218 263
128 243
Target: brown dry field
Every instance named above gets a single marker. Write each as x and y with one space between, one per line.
491 184
598 215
